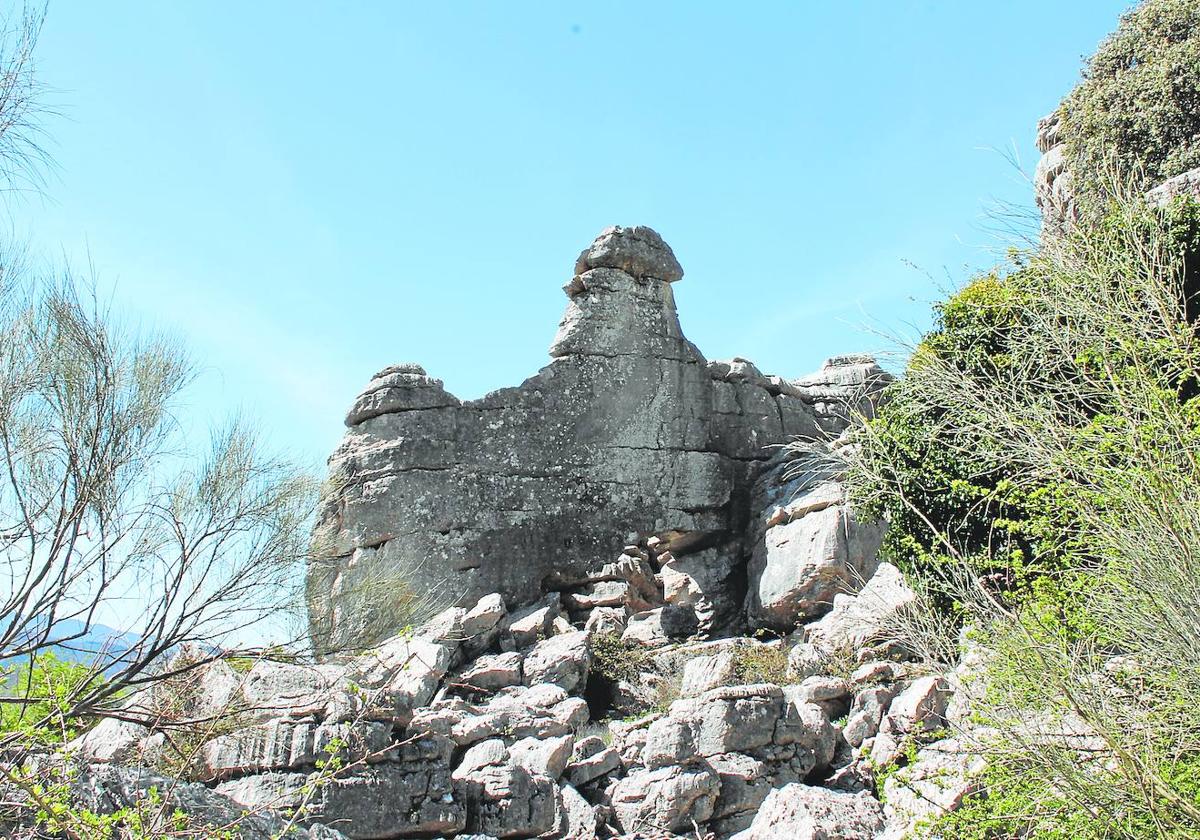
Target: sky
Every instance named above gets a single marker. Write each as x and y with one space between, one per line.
306 193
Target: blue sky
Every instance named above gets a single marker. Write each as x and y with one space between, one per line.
310 192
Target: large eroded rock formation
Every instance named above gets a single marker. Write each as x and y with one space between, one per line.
629 430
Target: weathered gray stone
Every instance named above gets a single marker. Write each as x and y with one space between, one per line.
805 660
845 387
504 800
106 790
591 760
704 673
560 660
818 689
646 628
542 756
291 744
577 818
944 774
858 620
732 719
638 251
745 783
1185 184
533 623
668 741
110 741
526 489
402 675
418 792
668 799
918 713
398 388
806 726
866 713
807 545
606 620
801 812
493 671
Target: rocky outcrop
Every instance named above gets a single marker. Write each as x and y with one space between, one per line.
545 722
629 431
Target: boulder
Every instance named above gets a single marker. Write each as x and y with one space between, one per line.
807 546
418 792
732 718
287 744
943 775
492 672
858 620
577 818
543 756
105 790
560 660
591 760
638 251
110 741
801 812
668 799
745 783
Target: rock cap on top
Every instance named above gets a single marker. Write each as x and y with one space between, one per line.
638 251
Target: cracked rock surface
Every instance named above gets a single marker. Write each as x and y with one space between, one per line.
628 430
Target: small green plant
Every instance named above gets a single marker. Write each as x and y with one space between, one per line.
36 704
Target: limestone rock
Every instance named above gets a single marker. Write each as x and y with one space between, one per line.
638 251
591 760
801 812
1185 184
561 660
745 783
290 744
844 387
626 431
493 671
577 818
806 545
543 756
857 620
110 741
944 774
106 790
418 792
733 718
402 387
669 799
704 673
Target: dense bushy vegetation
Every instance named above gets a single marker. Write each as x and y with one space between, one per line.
1040 464
1138 108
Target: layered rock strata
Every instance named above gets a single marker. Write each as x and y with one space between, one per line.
629 433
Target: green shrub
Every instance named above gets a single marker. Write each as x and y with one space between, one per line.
38 699
1138 106
1040 461
957 488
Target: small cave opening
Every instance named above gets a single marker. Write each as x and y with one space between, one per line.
600 693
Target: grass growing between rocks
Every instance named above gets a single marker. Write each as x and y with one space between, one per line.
760 664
